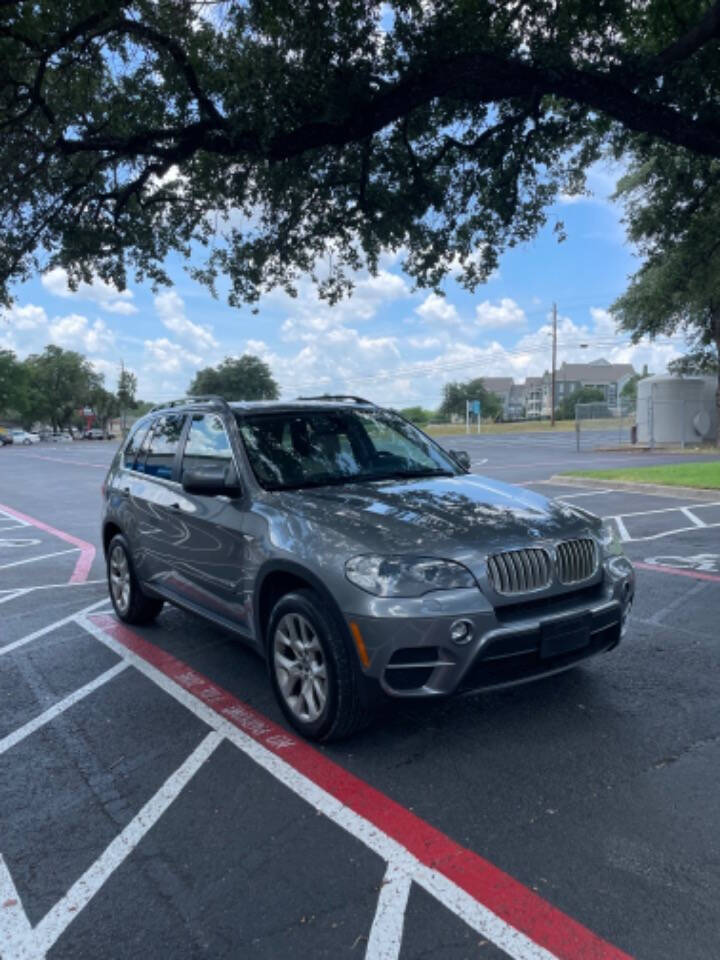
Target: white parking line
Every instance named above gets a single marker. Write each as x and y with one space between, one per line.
45 556
6 518
60 707
622 529
516 944
15 930
670 533
646 513
56 920
21 591
386 933
692 518
585 493
71 618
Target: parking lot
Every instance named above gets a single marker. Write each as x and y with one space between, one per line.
154 802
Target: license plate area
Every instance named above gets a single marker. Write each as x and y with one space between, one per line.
564 636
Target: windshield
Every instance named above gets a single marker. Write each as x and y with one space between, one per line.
309 448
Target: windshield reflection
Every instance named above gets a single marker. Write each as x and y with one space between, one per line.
290 450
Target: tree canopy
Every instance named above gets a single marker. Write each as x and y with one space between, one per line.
307 137
236 378
455 395
52 386
673 216
566 407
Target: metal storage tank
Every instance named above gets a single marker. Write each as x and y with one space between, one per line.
674 409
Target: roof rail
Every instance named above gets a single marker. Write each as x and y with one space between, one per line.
340 396
182 401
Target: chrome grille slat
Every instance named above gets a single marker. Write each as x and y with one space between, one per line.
576 560
521 571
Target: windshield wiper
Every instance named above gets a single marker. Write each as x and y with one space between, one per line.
358 478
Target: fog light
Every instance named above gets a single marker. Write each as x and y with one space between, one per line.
461 631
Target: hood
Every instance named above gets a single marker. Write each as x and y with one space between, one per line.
463 518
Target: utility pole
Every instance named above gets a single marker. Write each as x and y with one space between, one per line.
552 382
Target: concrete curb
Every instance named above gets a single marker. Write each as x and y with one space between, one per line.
694 493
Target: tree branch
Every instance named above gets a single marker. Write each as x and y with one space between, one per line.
705 29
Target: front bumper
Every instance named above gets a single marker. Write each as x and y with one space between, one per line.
414 656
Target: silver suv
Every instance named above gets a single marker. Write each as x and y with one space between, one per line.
355 554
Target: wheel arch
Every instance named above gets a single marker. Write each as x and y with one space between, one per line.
279 577
110 529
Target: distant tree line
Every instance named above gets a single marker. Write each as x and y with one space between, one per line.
54 386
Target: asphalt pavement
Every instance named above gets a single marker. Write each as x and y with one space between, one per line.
154 802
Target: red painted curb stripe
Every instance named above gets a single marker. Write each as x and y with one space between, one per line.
677 572
87 550
506 897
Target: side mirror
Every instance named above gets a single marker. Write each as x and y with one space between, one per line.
210 481
462 457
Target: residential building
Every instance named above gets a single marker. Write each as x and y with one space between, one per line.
608 378
501 387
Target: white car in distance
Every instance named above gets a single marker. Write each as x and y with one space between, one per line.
22 436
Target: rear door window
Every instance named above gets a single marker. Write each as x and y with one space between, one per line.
163 446
134 442
207 444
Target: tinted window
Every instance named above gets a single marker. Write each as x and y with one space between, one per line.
132 447
163 446
207 443
313 448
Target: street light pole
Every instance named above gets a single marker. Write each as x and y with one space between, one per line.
554 363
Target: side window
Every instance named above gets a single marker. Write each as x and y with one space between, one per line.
207 443
163 446
132 446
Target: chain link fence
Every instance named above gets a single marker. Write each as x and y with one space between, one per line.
598 425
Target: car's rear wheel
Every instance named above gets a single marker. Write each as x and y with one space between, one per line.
313 669
128 600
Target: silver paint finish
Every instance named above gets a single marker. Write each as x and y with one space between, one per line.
213 553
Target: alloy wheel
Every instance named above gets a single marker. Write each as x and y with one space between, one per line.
120 578
300 667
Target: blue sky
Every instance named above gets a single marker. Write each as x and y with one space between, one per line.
389 343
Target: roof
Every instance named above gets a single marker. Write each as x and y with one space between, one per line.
497 384
260 406
599 371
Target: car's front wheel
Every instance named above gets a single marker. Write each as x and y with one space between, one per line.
313 669
128 600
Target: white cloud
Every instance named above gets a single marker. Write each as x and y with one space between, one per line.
28 317
502 316
170 357
171 310
437 309
75 332
105 295
308 312
424 343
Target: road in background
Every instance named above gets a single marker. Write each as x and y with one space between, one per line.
595 790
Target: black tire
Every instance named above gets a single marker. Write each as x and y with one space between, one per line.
138 607
348 704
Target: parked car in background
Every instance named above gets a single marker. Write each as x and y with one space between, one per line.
94 433
22 436
63 437
5 440
45 434
355 554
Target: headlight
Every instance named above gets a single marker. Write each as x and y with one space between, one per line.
610 540
406 576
